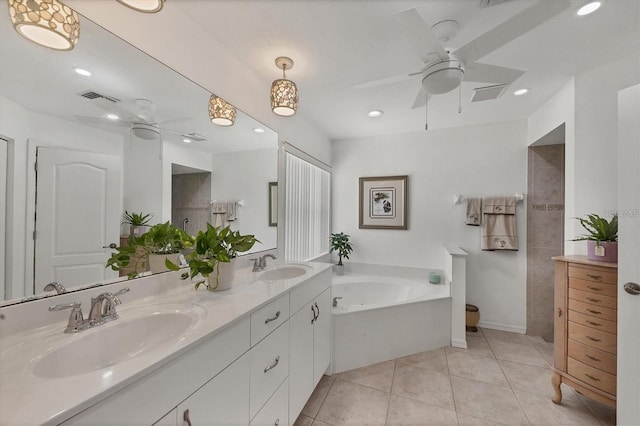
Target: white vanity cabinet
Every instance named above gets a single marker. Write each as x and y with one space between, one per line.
310 340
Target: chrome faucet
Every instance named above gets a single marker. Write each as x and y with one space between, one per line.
59 288
103 307
76 320
260 263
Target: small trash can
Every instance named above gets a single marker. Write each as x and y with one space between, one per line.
473 317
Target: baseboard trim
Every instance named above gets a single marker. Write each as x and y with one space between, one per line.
459 343
502 327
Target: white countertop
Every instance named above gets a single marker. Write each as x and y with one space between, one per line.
28 399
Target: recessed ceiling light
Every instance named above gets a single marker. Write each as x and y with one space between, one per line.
82 72
589 8
185 140
375 113
258 130
520 92
112 117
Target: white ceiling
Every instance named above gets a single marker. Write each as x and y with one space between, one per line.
338 44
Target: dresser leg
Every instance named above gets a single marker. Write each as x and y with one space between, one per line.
556 380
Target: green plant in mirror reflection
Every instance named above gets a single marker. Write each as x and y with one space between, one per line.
136 219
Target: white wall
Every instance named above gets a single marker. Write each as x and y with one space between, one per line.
242 175
473 161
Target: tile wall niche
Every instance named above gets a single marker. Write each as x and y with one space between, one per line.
545 230
190 199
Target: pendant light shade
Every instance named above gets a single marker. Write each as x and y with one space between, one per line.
49 23
284 93
146 6
221 112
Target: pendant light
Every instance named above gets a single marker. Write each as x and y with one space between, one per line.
221 112
49 23
146 6
284 93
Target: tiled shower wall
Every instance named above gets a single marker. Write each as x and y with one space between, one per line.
190 198
545 230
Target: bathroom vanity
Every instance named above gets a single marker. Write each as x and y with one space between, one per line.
249 355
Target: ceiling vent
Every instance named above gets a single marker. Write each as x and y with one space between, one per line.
486 3
90 94
195 137
488 93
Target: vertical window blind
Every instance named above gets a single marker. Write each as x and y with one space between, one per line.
307 209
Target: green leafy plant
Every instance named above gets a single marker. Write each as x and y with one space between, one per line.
214 246
340 243
136 219
163 238
598 228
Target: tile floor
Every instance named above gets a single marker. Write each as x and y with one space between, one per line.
501 379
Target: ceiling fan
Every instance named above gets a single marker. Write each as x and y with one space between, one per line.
445 70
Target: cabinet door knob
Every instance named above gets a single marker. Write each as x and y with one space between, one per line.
185 418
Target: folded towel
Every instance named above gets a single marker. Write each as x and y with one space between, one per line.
219 213
474 211
498 229
218 207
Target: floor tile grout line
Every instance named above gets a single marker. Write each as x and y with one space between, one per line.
453 395
514 393
315 417
393 379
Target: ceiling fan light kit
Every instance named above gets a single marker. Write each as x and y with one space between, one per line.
284 93
145 6
146 131
442 76
49 23
221 112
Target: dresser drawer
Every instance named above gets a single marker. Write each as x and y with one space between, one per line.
601 360
594 338
276 411
268 318
593 299
593 287
269 367
592 376
594 311
593 274
596 323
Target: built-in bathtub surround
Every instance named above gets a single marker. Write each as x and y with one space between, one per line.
190 197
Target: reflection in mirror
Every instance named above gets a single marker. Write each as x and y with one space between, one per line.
133 135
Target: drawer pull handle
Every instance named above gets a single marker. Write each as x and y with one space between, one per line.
595 277
185 418
268 320
594 312
272 366
595 324
593 339
594 288
595 379
277 422
594 300
592 358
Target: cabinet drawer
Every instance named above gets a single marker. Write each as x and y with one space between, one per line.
594 311
268 318
594 287
592 376
593 357
306 291
594 338
596 323
593 274
593 299
276 411
269 367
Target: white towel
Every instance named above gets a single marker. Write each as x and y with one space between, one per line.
498 229
219 213
474 211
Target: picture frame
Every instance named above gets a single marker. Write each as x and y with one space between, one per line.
383 202
273 203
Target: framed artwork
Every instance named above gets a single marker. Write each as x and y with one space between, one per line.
383 202
273 203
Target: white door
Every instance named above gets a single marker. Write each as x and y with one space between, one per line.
628 392
78 208
3 196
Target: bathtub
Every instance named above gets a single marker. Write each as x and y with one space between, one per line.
381 317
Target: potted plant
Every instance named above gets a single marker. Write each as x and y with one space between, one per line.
601 237
211 258
340 243
155 250
138 222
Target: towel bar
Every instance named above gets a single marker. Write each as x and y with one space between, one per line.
459 198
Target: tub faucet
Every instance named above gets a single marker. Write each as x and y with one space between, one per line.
335 301
260 263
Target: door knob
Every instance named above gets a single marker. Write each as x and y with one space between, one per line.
632 288
111 246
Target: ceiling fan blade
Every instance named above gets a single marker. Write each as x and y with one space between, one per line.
100 121
491 73
510 29
114 107
421 99
418 33
383 81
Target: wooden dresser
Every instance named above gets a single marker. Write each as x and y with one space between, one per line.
585 328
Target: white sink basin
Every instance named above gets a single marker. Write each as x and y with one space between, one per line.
284 272
116 342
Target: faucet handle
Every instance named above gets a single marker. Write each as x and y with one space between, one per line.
59 288
76 319
109 311
256 265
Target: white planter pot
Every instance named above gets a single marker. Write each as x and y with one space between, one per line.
157 262
221 278
338 269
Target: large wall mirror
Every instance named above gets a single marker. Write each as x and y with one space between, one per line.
162 156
